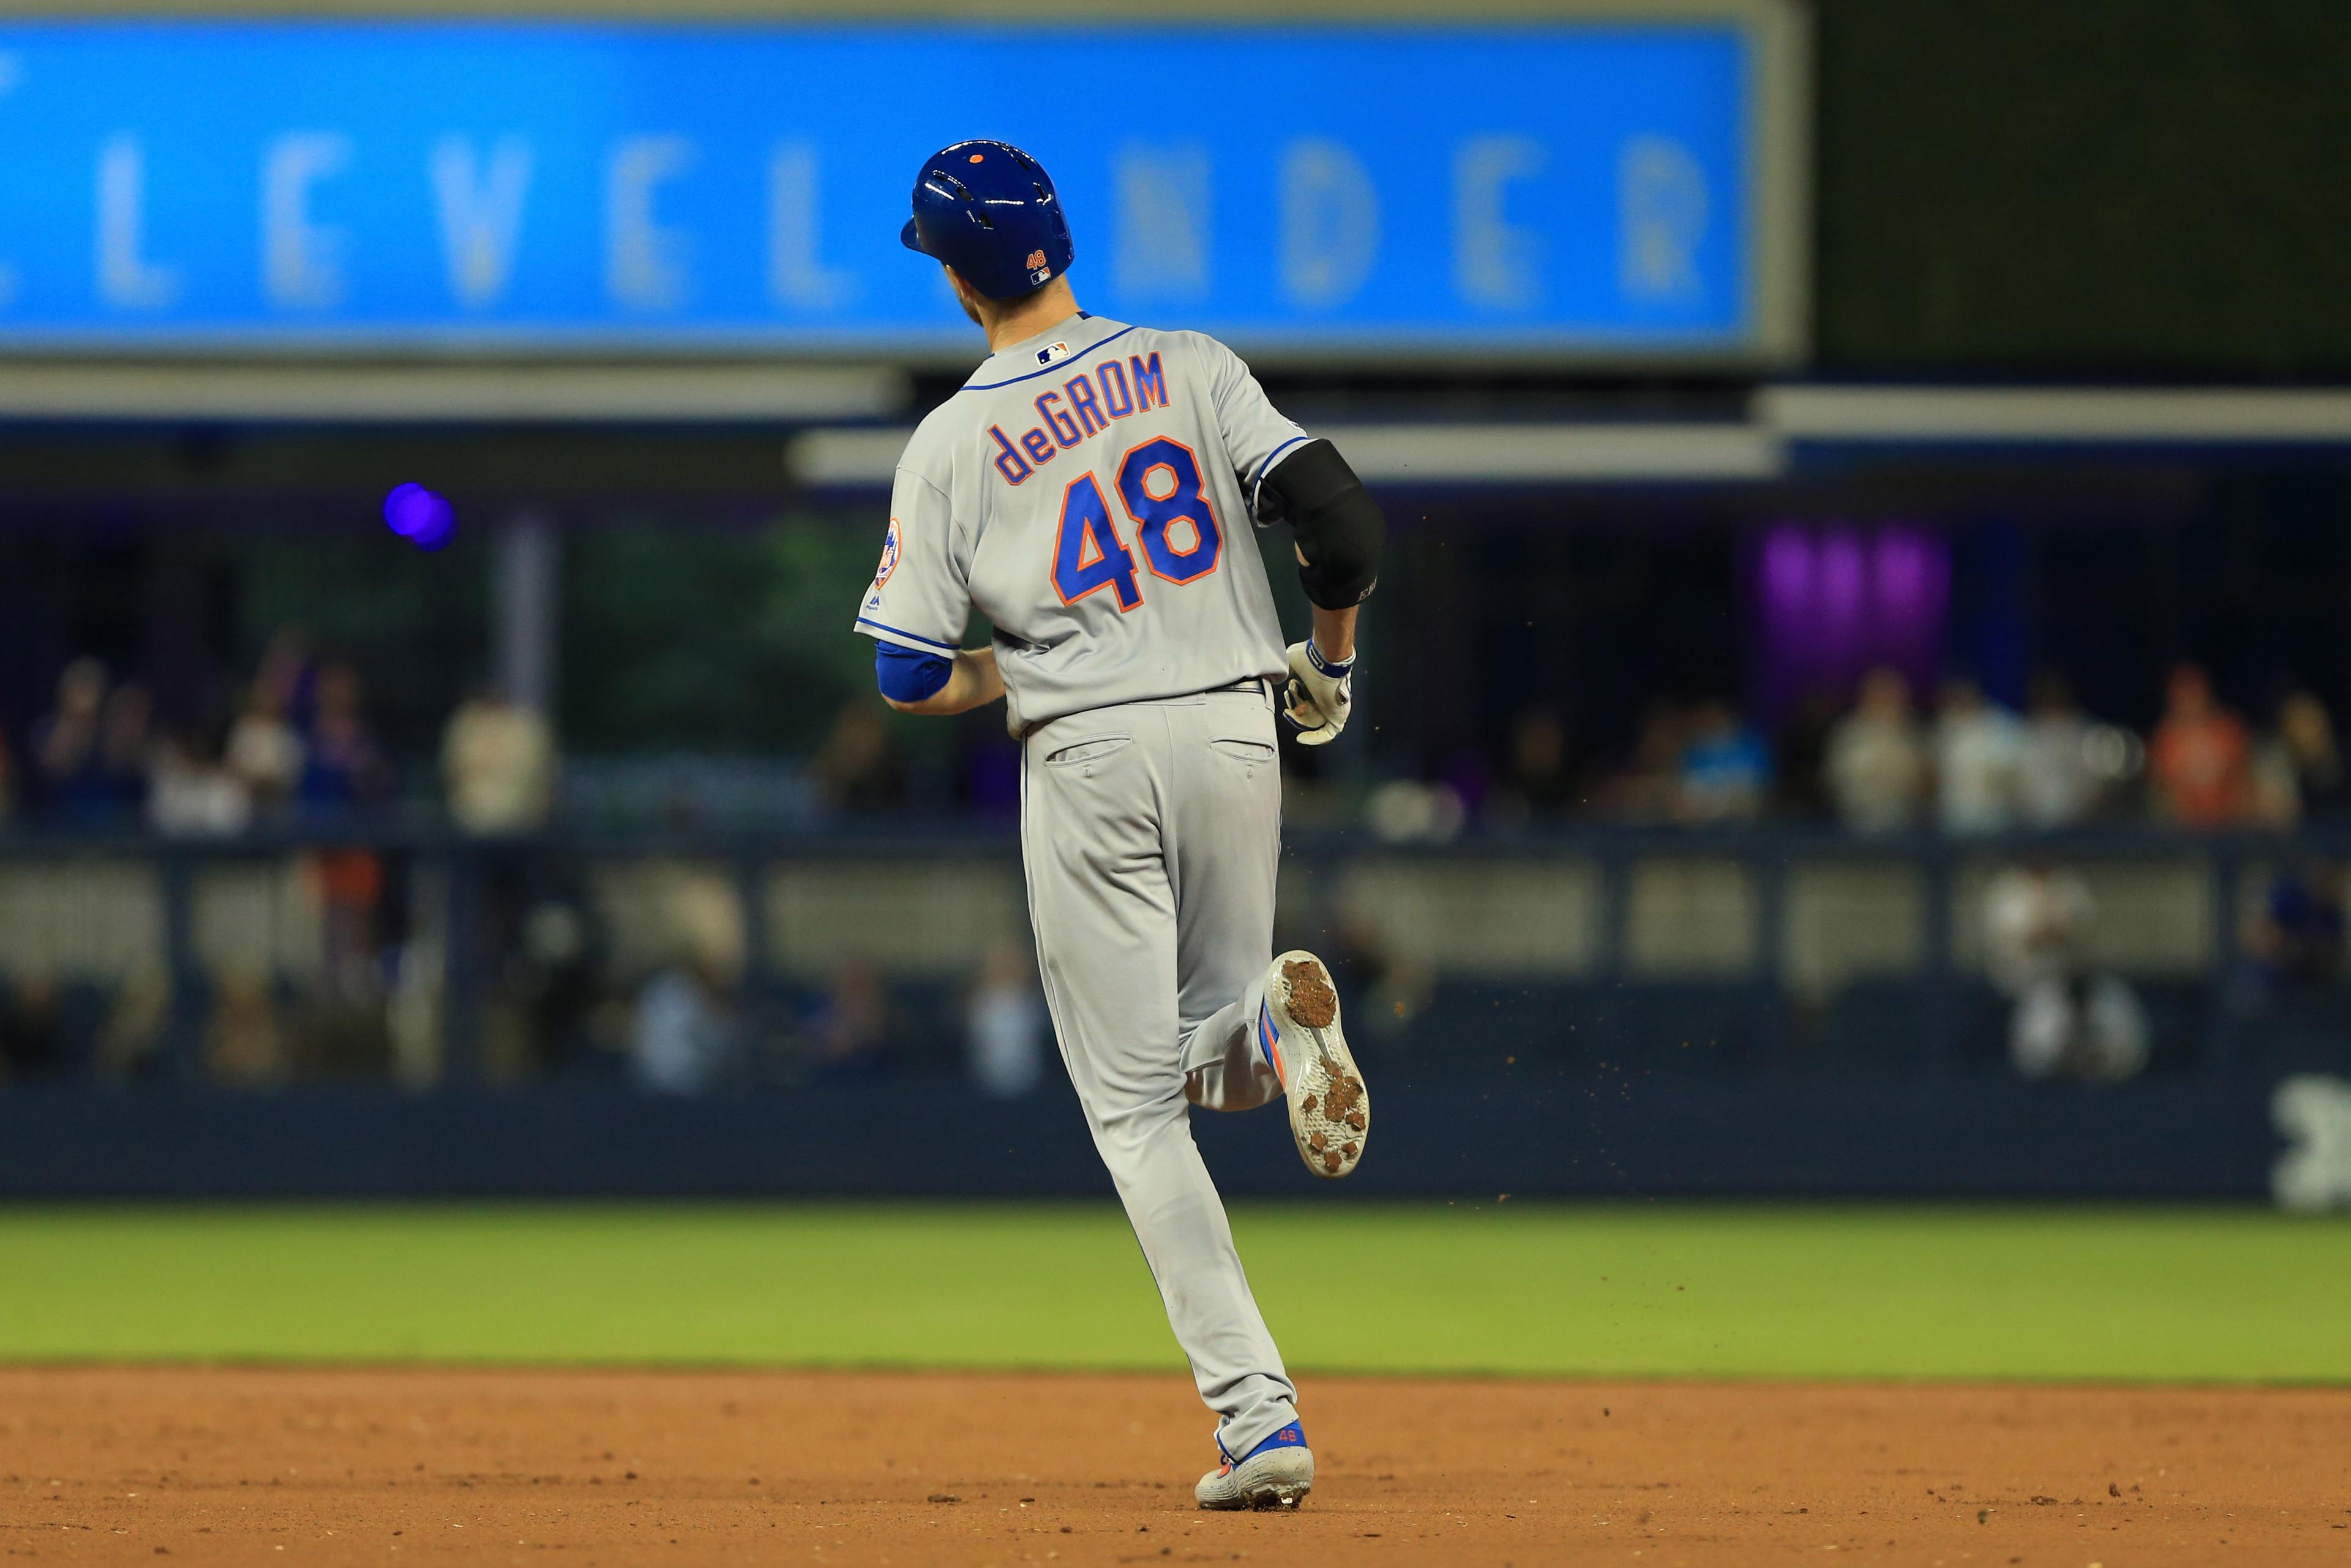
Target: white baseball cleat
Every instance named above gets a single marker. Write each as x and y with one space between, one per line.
1297 1033
1276 1474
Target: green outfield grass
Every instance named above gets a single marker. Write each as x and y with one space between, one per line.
2061 1293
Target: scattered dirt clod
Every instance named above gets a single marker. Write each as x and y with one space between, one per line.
1313 1003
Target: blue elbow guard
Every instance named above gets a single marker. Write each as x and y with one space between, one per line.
908 676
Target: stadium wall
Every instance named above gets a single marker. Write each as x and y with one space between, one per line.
1584 1139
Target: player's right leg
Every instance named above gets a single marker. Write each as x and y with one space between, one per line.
1104 910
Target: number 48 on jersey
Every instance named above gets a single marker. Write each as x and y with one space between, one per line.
1173 523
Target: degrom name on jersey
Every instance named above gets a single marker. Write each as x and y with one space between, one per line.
1090 492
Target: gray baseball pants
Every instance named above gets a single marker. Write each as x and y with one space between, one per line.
1150 833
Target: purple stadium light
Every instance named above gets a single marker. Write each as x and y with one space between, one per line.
422 517
1836 598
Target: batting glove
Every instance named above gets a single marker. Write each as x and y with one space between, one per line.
1319 693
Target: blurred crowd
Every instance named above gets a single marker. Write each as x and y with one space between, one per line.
2069 1017
298 748
696 1028
1882 764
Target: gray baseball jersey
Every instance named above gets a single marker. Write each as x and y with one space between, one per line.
1090 491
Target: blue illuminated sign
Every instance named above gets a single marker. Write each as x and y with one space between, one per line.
1560 188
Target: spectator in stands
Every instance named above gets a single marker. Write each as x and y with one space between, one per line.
497 761
2057 781
2306 735
2298 769
1802 753
129 1038
1538 786
1725 769
497 765
342 770
2200 756
1978 761
342 766
1005 1026
1877 758
263 752
32 1025
243 1042
67 746
850 1032
686 1039
542 929
124 743
858 767
683 1038
2068 1022
191 793
2294 940
291 674
1534 782
1647 789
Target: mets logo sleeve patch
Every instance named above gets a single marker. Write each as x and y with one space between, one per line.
921 597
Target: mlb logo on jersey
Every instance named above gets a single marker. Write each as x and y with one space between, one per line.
1052 352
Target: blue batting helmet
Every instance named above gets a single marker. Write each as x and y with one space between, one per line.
987 209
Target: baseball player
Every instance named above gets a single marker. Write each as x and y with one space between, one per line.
1091 491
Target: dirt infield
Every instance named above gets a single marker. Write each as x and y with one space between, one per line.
236 1466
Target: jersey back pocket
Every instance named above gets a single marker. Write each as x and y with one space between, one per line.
1087 750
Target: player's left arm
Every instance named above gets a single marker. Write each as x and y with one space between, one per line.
1336 527
1291 477
1340 535
1338 530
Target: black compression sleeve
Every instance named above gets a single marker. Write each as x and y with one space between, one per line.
1338 528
